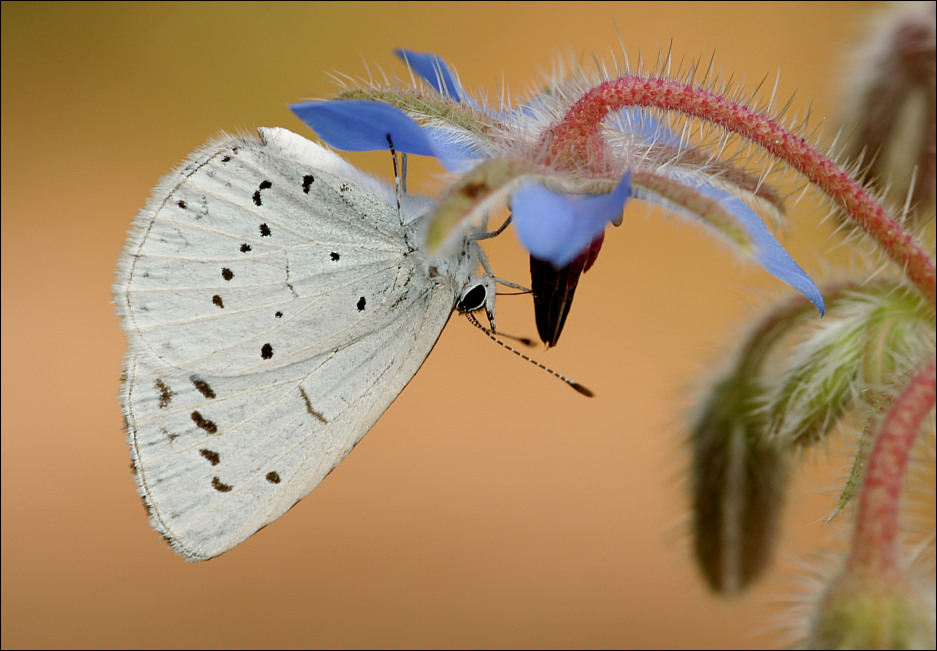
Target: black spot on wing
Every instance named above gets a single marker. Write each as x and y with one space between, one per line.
264 185
219 486
216 300
182 204
361 303
273 477
334 256
264 230
266 351
165 393
245 248
203 423
308 180
312 412
211 456
226 273
202 386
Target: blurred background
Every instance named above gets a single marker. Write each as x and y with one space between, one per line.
491 506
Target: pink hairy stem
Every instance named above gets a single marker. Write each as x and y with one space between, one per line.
578 137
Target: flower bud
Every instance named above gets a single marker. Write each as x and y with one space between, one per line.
738 483
890 105
861 610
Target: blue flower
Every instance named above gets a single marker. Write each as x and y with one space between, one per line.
560 204
558 227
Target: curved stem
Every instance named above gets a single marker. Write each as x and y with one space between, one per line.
875 538
578 135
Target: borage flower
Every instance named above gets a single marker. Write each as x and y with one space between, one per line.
565 165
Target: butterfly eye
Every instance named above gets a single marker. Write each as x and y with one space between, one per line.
473 299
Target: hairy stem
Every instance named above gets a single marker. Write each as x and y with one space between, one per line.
578 135
875 537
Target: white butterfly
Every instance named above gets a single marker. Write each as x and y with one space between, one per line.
274 306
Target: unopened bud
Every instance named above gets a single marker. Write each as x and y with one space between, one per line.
863 611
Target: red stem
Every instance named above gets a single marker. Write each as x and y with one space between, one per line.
874 540
578 136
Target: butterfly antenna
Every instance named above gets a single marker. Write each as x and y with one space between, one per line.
403 172
578 387
527 341
397 183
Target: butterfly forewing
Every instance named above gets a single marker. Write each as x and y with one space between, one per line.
274 307
222 260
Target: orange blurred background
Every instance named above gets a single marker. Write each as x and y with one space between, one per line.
491 506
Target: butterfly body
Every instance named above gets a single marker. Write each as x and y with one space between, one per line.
275 303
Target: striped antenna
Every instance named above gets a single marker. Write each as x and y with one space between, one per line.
578 387
397 184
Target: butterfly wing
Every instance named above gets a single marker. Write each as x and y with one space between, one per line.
274 308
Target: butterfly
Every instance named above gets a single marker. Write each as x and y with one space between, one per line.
275 302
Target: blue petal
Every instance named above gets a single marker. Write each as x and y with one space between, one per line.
651 130
558 227
360 125
434 70
769 254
